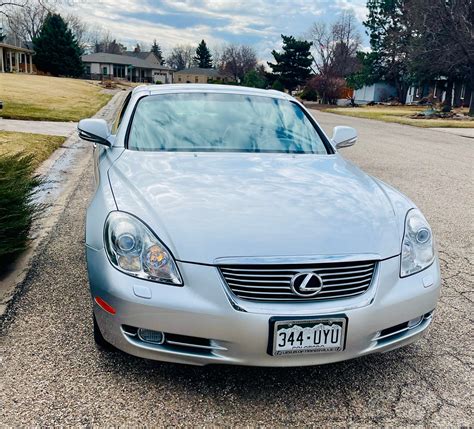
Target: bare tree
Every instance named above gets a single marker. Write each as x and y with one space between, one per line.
237 60
9 6
442 42
103 41
335 46
334 52
79 29
24 23
217 53
181 57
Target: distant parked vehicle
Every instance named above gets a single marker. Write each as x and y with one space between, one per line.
226 228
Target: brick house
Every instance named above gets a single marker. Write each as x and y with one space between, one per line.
200 75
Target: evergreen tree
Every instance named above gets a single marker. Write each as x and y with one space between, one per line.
389 41
56 49
203 57
254 79
368 72
156 49
292 67
278 86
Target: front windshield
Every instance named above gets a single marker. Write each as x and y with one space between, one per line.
216 122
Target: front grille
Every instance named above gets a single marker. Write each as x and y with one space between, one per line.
272 282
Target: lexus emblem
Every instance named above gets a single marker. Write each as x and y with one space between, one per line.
306 284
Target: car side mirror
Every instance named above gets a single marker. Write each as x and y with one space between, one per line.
94 130
344 136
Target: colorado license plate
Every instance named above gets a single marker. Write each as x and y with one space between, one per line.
309 336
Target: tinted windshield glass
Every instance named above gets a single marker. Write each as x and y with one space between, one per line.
207 122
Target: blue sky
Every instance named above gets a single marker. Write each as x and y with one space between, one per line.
258 23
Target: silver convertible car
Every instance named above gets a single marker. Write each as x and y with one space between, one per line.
227 229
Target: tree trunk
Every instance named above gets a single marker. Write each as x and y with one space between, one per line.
471 104
402 89
471 85
448 101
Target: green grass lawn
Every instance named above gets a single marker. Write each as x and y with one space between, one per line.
49 98
399 115
39 145
20 155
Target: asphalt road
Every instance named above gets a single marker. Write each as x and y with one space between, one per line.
52 373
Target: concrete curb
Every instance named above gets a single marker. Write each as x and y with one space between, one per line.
62 172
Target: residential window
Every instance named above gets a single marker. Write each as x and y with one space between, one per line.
196 79
179 78
104 70
463 91
119 70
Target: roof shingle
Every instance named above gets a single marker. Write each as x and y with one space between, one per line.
103 57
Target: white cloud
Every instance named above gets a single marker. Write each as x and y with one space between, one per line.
357 6
261 21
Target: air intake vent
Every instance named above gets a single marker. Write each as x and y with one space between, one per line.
273 282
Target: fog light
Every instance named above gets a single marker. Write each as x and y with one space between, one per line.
414 322
150 336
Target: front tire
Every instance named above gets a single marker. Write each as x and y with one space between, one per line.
99 339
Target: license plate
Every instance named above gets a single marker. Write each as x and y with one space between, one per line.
318 335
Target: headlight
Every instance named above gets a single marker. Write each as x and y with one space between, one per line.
417 245
134 249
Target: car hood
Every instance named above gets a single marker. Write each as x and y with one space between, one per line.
205 206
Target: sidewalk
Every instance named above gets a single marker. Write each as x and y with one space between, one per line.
463 132
38 127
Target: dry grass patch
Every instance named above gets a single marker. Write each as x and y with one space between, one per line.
38 145
400 115
49 98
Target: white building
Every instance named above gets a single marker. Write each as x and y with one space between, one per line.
377 92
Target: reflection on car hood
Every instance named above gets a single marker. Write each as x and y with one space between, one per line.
209 205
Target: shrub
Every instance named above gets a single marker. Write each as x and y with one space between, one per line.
254 79
329 89
18 186
278 86
309 94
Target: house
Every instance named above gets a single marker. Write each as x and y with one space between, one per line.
133 68
200 75
15 59
435 91
379 91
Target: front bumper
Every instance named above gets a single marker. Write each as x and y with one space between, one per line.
237 331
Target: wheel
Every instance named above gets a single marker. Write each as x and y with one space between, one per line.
99 339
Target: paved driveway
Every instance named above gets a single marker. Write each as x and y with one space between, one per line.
39 127
52 374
